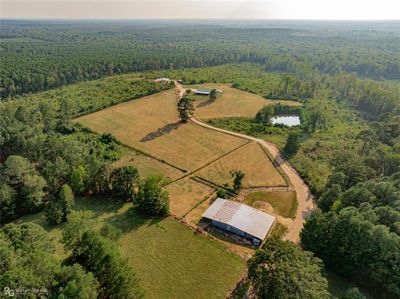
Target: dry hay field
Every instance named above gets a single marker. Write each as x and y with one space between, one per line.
250 159
186 194
147 165
231 103
151 124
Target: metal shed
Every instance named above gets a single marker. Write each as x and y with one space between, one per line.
205 91
240 219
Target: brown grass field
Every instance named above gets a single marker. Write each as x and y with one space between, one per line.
151 124
147 165
250 159
284 203
231 103
185 194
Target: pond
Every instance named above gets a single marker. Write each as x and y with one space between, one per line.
288 120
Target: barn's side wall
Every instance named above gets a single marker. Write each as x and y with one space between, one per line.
232 229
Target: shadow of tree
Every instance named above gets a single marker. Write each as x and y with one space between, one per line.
205 103
306 213
100 204
161 131
278 161
131 220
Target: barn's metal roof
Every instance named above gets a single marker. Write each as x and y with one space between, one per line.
243 217
203 91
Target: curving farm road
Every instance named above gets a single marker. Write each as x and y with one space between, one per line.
304 198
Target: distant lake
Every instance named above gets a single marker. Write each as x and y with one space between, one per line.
288 120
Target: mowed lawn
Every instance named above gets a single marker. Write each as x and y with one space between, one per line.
186 193
231 103
251 159
170 260
284 203
151 124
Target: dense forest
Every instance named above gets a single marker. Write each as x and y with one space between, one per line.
347 147
37 55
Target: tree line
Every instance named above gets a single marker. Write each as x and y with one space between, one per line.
43 56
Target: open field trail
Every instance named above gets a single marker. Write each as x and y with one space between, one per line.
304 198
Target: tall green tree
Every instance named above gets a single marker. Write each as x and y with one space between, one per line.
28 187
185 108
78 222
265 114
238 177
27 262
8 203
123 180
213 95
74 282
151 197
61 206
354 247
292 144
77 179
100 256
280 269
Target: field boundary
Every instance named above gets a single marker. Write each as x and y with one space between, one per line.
210 162
207 197
113 104
151 156
276 165
138 151
212 184
206 127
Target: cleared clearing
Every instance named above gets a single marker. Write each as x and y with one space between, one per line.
231 103
283 203
151 124
185 194
170 260
147 165
250 159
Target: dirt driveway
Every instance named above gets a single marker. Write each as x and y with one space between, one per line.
305 201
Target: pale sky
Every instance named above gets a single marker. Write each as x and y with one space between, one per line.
215 9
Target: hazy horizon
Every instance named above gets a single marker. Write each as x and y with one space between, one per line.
285 10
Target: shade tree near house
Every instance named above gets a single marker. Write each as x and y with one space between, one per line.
213 95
